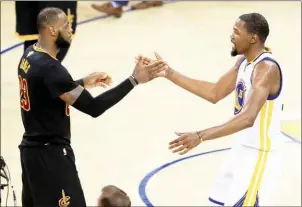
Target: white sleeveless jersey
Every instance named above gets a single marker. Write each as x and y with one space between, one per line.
265 134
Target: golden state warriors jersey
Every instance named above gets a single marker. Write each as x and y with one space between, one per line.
265 134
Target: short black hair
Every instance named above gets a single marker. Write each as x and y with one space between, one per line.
47 16
256 24
114 197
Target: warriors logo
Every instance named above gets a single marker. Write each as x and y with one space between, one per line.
239 97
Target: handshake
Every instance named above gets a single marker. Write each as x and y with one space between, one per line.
147 69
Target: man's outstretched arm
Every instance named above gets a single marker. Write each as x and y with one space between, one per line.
263 81
60 84
82 100
212 92
263 84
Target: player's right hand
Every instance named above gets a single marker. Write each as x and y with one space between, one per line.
147 61
146 72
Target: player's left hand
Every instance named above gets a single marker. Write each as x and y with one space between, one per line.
185 142
97 79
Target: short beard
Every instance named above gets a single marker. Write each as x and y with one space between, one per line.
61 42
234 52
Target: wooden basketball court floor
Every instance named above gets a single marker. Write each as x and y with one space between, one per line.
128 145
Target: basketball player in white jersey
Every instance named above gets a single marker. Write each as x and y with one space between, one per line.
250 174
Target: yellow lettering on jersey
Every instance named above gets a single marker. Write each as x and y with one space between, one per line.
237 105
24 65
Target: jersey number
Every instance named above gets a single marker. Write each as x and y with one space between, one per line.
24 97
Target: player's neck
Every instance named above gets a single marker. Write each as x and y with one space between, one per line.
254 52
51 49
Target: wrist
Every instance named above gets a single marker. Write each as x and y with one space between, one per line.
133 80
200 136
169 73
80 82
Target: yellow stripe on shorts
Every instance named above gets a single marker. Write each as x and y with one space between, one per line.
265 146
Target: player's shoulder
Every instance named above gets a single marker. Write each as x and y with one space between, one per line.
267 69
267 65
42 59
37 58
55 68
268 60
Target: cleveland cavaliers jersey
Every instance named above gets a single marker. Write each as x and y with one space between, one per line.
42 79
265 134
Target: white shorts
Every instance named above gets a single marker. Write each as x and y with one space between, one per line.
249 177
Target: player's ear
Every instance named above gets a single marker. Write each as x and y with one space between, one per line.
52 30
253 39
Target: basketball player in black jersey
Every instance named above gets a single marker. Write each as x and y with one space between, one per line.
49 173
26 24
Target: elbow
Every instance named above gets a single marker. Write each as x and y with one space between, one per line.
95 114
249 121
95 109
214 99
